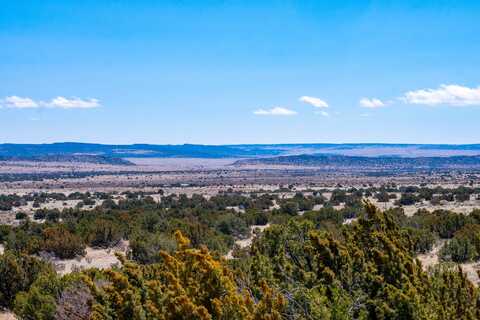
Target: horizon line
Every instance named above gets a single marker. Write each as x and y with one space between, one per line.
247 144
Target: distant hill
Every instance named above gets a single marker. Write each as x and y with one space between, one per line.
132 151
318 160
94 159
33 151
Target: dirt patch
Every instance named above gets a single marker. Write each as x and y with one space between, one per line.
7 315
254 230
471 270
431 259
94 258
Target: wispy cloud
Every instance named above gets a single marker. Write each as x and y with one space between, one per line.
57 102
451 95
276 111
323 113
316 102
72 103
372 103
18 102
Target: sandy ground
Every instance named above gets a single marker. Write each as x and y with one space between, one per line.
7 315
431 259
8 217
54 204
206 190
95 258
243 243
471 269
458 207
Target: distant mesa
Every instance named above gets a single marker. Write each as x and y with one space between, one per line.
93 159
330 160
116 154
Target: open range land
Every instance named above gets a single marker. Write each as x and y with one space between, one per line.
79 210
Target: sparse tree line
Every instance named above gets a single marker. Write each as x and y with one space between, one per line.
409 195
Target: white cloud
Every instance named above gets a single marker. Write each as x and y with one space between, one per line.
316 102
65 103
58 102
18 102
276 111
372 103
452 95
323 113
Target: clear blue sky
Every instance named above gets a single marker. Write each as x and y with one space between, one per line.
223 72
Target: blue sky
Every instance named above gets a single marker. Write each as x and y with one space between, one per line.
227 72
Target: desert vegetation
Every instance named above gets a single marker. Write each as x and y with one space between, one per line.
308 264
